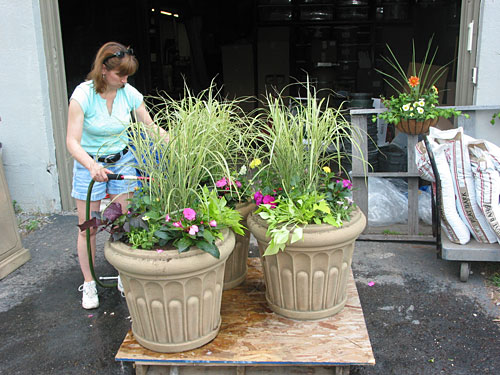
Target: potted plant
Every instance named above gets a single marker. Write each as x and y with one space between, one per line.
171 246
237 189
306 223
415 107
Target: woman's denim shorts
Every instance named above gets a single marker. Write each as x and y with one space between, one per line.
81 179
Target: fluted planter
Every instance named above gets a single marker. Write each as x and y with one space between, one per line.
308 280
174 299
236 263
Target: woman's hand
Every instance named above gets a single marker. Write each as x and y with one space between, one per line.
98 172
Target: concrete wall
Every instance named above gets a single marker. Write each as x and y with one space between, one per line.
488 61
28 150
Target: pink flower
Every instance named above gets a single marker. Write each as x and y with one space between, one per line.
258 198
269 199
177 224
189 213
193 229
347 184
371 283
167 218
159 251
238 184
222 182
213 223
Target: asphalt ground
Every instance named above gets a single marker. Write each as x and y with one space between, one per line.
421 319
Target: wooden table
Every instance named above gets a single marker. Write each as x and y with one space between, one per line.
254 340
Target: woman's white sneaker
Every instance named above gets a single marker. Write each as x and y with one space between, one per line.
90 300
120 286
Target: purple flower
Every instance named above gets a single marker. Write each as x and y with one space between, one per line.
269 199
177 224
189 213
213 223
238 184
347 184
193 229
258 198
222 182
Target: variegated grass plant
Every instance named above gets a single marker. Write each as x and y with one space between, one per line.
304 138
178 202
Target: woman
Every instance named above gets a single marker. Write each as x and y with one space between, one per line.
99 112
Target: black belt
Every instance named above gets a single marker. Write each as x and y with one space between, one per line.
113 158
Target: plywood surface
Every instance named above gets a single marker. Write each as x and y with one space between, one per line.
251 334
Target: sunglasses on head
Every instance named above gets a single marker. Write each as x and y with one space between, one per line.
119 54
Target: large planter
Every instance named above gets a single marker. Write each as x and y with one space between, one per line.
174 299
12 253
415 127
309 279
236 263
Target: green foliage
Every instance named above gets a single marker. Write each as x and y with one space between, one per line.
495 279
17 208
390 232
32 225
494 117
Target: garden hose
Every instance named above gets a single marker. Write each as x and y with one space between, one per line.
111 176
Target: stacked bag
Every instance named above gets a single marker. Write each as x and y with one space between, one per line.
469 170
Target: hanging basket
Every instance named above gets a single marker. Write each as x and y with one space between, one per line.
415 127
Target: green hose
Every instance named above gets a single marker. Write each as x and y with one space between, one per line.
89 248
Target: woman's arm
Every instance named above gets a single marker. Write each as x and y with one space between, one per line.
73 139
144 117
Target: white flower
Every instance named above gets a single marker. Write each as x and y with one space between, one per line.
415 104
406 107
421 102
420 110
243 170
146 218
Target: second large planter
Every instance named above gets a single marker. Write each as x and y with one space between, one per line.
236 264
309 279
174 299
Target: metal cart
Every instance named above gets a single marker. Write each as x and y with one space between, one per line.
473 251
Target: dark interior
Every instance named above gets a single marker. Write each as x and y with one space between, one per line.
248 47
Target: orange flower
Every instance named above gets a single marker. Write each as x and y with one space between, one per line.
414 81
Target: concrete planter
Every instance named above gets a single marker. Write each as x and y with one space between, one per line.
12 253
236 264
174 299
309 279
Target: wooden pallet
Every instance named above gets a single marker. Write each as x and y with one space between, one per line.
254 340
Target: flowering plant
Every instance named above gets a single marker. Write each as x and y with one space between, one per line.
298 187
417 97
239 186
146 226
330 204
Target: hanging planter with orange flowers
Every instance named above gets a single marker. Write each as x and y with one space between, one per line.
415 108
